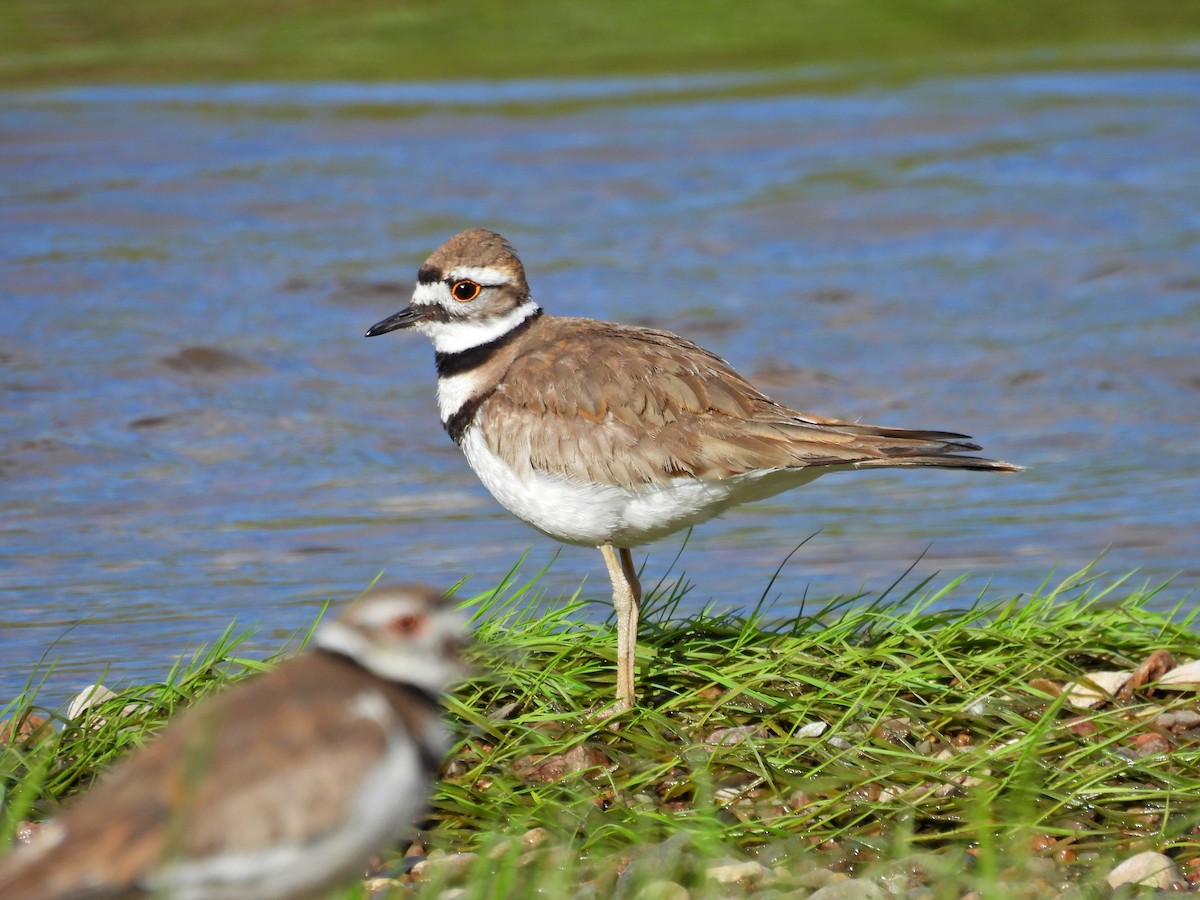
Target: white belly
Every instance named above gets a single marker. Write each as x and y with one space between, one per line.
593 514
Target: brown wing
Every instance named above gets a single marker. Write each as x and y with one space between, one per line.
623 405
271 760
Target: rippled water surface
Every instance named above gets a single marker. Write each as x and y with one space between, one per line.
193 429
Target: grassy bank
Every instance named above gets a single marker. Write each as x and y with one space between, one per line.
74 41
896 744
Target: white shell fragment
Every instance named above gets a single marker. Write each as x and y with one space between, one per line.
1182 678
1095 688
92 695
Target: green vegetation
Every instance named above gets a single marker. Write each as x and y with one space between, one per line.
883 740
73 41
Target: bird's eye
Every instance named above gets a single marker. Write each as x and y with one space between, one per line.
404 626
465 291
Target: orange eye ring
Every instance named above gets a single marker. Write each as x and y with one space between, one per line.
465 291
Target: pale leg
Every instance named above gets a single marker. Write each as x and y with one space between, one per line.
627 598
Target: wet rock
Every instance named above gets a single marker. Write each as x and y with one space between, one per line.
662 890
534 838
27 830
1046 686
211 361
851 889
1148 869
501 849
24 731
817 878
1153 668
551 768
1150 744
743 873
449 866
735 734
1178 719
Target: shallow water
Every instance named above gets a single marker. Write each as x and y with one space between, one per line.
1014 257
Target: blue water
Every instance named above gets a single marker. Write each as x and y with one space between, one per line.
1015 257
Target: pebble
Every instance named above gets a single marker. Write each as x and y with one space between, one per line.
818 878
851 889
451 866
1148 869
1178 720
749 872
29 730
662 890
534 838
1150 744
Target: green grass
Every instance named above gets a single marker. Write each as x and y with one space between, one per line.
893 739
73 41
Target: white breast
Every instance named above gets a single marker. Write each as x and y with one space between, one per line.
593 514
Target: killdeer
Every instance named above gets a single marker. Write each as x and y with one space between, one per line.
610 435
280 787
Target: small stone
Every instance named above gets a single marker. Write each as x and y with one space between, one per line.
1082 727
500 850
745 873
534 837
1178 720
1152 669
211 361
817 878
1148 869
1041 843
1046 686
27 730
724 737
546 769
1150 744
27 831
662 890
451 866
851 889
378 885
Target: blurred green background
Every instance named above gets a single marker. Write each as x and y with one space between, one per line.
46 42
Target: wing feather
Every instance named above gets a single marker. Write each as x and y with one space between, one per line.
595 401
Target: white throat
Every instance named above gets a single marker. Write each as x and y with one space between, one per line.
458 335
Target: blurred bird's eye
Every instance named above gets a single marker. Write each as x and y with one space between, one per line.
465 290
404 626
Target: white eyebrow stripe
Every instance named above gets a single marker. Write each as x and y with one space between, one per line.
484 275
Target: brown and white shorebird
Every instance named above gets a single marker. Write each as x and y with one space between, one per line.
282 786
610 435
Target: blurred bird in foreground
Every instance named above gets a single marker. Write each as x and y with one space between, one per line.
283 786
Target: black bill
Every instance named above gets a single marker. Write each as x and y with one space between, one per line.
406 318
